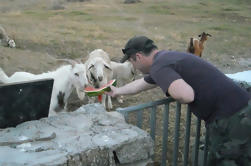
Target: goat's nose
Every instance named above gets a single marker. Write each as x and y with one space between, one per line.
100 78
96 86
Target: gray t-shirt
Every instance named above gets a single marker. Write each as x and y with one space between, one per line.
216 96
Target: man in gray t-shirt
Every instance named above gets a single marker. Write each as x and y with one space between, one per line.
214 93
210 94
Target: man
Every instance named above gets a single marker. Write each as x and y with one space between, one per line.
211 96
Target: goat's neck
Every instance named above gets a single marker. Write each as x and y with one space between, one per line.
201 43
203 39
62 79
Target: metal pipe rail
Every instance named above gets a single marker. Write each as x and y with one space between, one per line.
138 109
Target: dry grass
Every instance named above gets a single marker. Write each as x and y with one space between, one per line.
77 28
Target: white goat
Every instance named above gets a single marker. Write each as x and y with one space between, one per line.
99 72
122 72
5 40
65 79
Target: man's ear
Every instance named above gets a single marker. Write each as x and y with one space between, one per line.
138 56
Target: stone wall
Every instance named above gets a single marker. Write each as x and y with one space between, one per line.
90 136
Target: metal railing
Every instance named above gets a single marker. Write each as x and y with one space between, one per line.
138 109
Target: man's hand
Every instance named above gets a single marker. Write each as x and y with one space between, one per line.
113 92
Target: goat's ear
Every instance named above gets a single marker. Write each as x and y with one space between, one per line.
107 66
70 61
209 35
79 61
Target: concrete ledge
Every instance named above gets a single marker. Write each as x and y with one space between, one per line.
88 136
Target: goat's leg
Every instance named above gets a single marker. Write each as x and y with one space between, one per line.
109 102
81 94
103 100
52 113
91 100
120 99
65 107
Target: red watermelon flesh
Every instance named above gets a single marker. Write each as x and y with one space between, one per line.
91 91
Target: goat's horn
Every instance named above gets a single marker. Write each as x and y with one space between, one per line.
209 35
72 62
79 60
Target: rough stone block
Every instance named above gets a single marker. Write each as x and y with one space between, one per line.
89 136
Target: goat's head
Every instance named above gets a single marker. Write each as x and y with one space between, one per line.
78 73
203 36
97 72
78 76
11 43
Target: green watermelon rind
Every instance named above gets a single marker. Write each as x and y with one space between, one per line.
101 91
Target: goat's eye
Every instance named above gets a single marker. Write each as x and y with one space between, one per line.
76 74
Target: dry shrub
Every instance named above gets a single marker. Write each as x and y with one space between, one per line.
77 0
57 5
131 1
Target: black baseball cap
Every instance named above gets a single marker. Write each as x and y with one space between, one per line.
137 44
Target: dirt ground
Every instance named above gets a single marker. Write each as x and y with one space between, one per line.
48 29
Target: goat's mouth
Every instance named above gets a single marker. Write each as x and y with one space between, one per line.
82 90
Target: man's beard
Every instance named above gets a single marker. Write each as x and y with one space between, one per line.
144 70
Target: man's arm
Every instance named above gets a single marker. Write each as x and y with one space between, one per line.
181 91
131 88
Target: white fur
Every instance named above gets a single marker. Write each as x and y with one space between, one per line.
5 40
123 73
99 72
11 43
65 78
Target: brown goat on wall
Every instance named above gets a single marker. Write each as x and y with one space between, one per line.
196 45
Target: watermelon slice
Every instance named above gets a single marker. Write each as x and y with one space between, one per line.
90 91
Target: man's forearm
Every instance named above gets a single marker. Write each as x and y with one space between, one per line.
134 87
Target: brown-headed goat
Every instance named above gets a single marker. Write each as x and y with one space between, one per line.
196 46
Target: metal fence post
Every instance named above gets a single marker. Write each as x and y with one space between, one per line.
197 142
165 134
139 119
187 136
176 134
138 109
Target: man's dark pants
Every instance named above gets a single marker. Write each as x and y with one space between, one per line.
230 140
